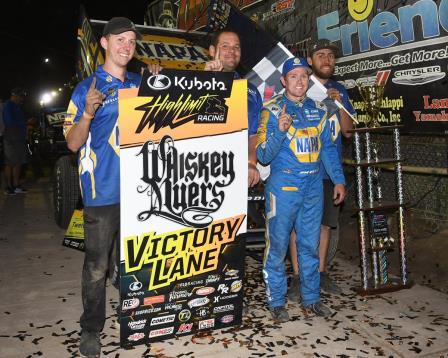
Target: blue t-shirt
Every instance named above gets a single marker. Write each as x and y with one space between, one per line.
254 106
334 120
99 157
15 121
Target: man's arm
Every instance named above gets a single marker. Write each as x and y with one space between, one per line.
253 173
79 132
271 134
345 121
330 156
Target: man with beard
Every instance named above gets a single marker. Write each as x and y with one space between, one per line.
321 56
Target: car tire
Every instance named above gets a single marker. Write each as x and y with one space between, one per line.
66 192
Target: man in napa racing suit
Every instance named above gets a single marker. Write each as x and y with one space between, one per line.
294 137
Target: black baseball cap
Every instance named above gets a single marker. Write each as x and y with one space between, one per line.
321 44
118 25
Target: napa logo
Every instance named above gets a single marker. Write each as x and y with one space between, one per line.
386 28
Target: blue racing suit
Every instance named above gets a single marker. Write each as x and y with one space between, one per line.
293 191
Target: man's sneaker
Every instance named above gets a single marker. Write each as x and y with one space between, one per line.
279 314
19 190
9 191
90 345
328 285
319 309
294 289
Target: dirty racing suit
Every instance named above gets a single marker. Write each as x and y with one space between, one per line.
293 191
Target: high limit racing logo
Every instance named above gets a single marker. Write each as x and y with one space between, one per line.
178 97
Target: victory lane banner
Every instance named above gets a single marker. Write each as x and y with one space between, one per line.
183 158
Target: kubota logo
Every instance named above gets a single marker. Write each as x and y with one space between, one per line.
158 82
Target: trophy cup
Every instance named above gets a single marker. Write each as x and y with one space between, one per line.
372 96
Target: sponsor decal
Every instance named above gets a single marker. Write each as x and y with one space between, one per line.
170 52
153 300
197 302
231 272
136 337
229 296
161 332
185 328
188 84
202 312
204 291
130 304
158 82
176 295
135 294
223 289
56 118
163 319
212 278
207 323
134 325
184 315
236 286
199 98
278 8
190 283
418 76
148 311
224 308
227 318
173 306
135 286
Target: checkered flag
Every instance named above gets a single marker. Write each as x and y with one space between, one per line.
266 77
266 73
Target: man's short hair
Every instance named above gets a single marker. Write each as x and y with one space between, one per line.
215 35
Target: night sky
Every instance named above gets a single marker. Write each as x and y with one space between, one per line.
32 30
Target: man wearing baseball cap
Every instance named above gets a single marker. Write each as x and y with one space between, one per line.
14 140
91 128
321 56
294 137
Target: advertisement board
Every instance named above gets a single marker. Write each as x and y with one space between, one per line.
183 157
404 42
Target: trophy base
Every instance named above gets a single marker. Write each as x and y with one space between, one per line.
394 284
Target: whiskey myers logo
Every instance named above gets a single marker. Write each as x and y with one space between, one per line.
183 187
178 97
180 254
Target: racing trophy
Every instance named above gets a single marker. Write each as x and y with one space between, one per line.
379 231
372 96
372 205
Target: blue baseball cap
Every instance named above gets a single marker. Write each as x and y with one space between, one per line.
295 62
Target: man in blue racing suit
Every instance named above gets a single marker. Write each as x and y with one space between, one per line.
294 137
